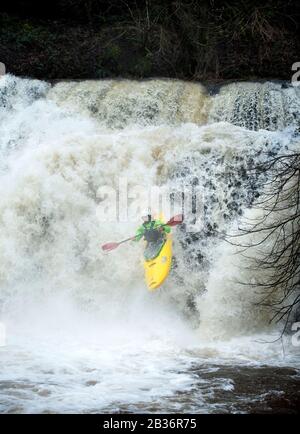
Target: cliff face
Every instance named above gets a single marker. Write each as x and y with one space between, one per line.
201 40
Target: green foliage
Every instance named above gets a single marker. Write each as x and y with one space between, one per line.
143 67
113 51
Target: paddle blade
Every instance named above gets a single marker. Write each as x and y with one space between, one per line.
176 220
110 246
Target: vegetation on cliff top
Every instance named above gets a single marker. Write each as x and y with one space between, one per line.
199 40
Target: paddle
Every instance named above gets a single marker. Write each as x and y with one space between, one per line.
176 220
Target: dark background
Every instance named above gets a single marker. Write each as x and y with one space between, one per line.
195 40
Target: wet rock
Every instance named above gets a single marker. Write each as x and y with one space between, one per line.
264 389
91 383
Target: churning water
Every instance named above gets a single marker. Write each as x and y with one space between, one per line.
81 332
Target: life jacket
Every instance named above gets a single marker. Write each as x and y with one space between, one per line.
151 234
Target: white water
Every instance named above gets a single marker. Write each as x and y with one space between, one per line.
82 332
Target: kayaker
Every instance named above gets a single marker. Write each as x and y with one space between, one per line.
152 230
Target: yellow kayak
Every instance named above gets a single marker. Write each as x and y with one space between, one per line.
158 268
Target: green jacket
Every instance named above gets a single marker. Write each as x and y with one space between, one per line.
157 223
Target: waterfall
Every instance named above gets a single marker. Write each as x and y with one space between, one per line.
60 143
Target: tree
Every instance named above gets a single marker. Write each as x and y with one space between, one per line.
271 241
